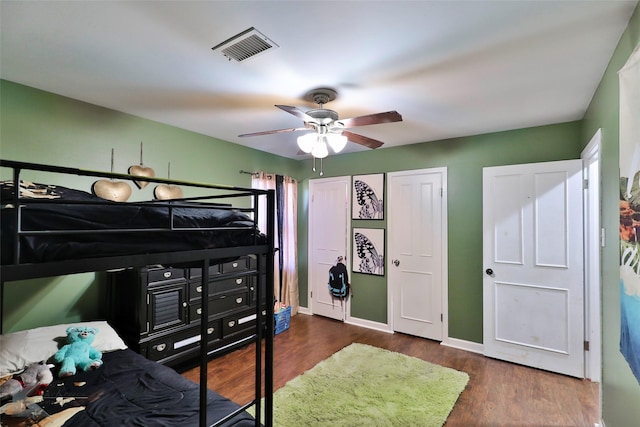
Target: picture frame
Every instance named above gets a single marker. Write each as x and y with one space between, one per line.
368 196
368 251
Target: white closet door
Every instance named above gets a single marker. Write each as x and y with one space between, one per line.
329 216
417 251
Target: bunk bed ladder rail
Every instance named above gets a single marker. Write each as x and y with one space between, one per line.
268 259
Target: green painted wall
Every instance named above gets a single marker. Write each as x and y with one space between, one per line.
620 389
41 127
464 159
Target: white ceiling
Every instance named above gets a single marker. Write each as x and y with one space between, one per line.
451 68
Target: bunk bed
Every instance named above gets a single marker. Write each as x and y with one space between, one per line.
64 231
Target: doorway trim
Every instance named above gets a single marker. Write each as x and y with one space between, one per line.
592 253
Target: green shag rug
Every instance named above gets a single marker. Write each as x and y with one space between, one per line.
367 386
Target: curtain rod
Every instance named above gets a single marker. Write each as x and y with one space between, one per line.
248 173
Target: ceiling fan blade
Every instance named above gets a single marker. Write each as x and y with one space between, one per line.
362 140
296 112
371 119
269 132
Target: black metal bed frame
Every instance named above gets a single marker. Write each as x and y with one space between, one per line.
19 270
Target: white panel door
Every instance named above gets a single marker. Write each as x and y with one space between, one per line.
328 239
533 296
416 252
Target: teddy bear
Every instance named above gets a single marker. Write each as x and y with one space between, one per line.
78 353
32 380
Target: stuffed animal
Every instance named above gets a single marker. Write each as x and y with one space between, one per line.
32 380
78 353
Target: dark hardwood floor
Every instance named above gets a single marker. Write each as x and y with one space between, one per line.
498 393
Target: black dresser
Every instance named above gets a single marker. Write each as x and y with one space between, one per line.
157 310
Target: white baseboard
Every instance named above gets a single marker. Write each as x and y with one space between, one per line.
463 345
304 310
383 327
369 324
354 321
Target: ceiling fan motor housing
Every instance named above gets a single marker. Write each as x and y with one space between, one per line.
323 116
321 96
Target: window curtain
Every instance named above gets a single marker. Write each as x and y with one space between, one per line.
285 233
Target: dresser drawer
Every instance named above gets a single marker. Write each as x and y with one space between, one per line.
221 303
214 270
253 289
178 342
164 274
239 322
221 286
246 263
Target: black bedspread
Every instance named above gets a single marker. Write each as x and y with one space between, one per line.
129 390
77 210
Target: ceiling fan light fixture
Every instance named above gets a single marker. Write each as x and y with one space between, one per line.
320 150
337 141
307 141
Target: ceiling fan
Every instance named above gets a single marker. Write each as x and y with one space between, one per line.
328 129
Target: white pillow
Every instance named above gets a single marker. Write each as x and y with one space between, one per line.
18 349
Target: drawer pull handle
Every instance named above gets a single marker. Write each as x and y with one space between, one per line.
161 347
235 265
199 289
239 300
184 304
166 274
232 323
199 311
264 312
239 281
210 331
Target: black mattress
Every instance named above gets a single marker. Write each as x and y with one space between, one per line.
78 210
130 390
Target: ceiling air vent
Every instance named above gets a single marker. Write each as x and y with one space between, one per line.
245 45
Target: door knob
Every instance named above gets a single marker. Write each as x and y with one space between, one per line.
396 262
489 271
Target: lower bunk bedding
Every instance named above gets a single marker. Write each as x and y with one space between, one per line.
127 390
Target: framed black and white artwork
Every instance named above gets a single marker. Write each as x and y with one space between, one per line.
368 194
368 251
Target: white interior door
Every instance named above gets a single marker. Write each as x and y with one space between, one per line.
329 214
533 296
417 251
591 172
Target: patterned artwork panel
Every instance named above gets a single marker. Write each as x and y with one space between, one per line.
368 196
368 251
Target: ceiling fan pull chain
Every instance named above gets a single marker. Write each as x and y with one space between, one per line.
314 165
112 150
321 168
